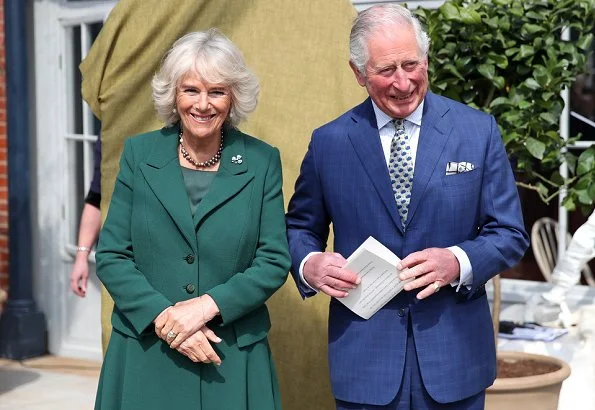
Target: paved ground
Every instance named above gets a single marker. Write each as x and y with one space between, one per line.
48 383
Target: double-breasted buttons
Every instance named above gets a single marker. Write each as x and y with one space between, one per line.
190 288
401 312
189 259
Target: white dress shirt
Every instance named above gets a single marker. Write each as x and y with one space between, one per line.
386 130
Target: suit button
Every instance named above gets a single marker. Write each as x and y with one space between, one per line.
189 259
401 312
190 288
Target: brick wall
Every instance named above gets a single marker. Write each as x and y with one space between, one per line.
3 164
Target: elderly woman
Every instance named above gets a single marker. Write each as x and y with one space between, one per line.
194 244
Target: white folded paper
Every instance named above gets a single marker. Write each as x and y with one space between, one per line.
376 265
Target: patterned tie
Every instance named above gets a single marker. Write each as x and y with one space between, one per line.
400 169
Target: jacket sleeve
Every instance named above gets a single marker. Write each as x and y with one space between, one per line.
133 295
245 291
307 219
502 239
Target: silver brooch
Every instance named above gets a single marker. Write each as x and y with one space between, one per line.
236 159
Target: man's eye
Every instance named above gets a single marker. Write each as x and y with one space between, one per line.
387 71
409 66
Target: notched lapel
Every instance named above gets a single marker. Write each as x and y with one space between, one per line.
164 176
366 143
233 175
434 133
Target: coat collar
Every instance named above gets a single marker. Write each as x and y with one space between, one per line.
163 174
366 142
435 131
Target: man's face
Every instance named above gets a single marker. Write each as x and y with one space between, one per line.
396 75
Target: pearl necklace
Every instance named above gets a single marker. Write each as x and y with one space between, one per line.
208 163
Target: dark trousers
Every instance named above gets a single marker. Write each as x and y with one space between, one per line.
412 395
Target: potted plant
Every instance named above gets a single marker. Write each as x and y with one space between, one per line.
525 380
509 58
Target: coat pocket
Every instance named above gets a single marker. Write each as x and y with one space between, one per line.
253 327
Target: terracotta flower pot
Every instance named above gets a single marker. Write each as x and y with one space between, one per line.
539 392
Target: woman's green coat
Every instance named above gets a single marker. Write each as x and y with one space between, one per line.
152 253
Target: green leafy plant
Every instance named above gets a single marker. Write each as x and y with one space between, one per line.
508 58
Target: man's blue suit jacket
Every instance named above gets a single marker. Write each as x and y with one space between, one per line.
344 181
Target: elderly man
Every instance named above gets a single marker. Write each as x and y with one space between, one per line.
429 178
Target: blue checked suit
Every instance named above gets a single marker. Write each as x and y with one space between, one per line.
344 181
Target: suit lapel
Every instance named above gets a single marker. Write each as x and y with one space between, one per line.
231 177
163 174
366 143
434 133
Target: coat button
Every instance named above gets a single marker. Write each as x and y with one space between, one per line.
401 312
189 259
190 288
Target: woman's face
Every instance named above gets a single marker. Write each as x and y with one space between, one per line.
203 107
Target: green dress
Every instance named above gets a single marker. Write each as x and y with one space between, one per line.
172 234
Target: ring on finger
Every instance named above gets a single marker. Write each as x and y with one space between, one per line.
171 335
436 286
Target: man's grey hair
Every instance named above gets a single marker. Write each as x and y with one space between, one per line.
216 60
373 18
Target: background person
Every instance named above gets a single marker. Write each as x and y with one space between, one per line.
194 244
450 211
89 227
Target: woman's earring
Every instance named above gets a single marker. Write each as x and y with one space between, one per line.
174 110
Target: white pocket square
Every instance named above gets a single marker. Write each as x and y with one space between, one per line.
453 168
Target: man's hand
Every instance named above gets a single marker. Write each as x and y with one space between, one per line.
324 271
198 348
432 268
184 319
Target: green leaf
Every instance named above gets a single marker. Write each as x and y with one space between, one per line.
532 28
571 161
584 197
523 105
499 101
534 15
583 183
488 71
586 162
569 203
535 147
453 70
542 76
516 11
591 191
584 43
525 51
470 16
499 82
511 51
498 59
532 84
549 118
450 11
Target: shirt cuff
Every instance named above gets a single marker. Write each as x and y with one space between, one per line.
465 273
302 270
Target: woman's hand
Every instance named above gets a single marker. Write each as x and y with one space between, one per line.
80 274
177 323
197 347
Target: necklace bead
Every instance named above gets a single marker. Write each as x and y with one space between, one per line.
206 164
